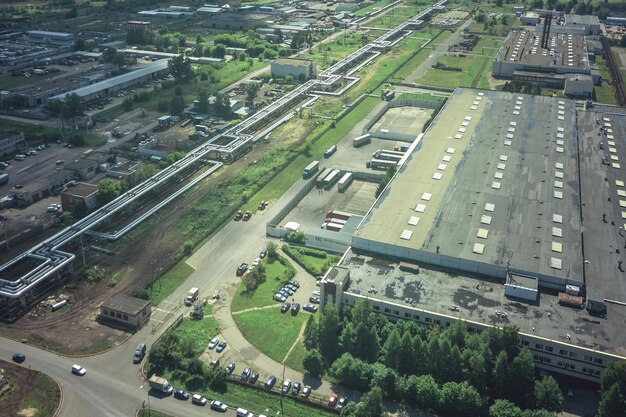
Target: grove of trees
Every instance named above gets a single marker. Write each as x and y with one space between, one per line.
439 370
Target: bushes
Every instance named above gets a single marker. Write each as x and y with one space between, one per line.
315 262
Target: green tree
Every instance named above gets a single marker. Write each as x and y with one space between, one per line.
548 395
272 251
251 89
461 399
127 104
367 345
310 333
221 107
421 392
523 370
612 403
95 274
328 328
615 372
504 408
371 404
177 105
408 362
313 363
501 376
108 190
203 101
180 68
392 350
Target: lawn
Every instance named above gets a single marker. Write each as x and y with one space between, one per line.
169 281
604 93
473 74
152 413
43 395
276 274
200 331
394 17
315 262
270 331
488 45
294 360
370 7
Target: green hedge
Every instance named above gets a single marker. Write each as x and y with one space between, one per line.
315 262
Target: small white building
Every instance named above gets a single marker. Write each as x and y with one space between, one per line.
300 69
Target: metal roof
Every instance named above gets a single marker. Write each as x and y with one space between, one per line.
116 81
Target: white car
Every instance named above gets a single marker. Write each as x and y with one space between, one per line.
78 370
213 343
198 399
256 262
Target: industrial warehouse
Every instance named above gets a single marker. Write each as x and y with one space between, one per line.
501 216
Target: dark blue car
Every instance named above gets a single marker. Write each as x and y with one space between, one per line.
19 357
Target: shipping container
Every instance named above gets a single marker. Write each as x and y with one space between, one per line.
345 182
380 164
336 214
311 169
337 221
332 227
409 267
570 300
330 151
319 182
331 179
361 140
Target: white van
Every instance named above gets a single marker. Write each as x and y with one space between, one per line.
242 412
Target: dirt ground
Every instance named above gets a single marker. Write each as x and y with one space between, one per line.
21 382
74 329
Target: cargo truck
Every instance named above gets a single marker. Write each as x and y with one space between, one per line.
160 384
345 182
311 169
331 179
330 151
191 296
401 148
319 182
380 164
361 140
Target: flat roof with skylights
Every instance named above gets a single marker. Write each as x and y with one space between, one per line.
492 185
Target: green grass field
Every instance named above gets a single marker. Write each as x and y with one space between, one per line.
294 360
271 331
395 16
262 295
43 395
370 7
473 74
200 331
605 93
169 281
314 265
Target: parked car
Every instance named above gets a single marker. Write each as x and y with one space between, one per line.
295 307
279 297
294 283
221 346
246 374
288 291
306 391
314 299
213 343
341 403
270 381
253 378
286 386
310 308
332 401
291 287
283 292
262 254
181 394
230 367
19 357
219 406
78 370
256 262
198 399
296 388
285 307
